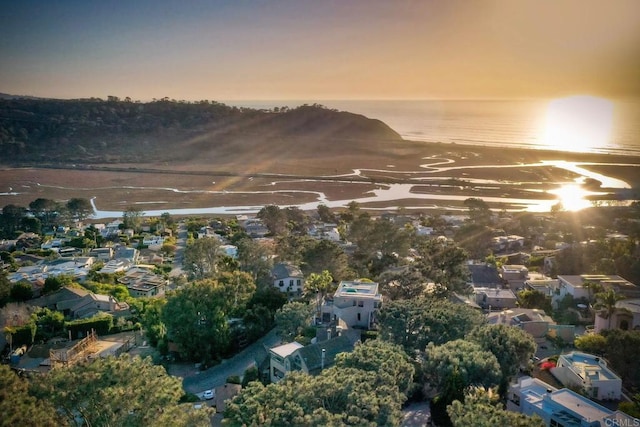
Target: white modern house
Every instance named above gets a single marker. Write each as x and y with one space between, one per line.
563 407
354 304
590 373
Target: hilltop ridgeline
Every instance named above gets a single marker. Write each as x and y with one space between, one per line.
117 131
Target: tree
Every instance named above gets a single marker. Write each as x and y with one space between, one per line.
256 259
534 299
292 318
201 257
387 359
406 283
591 343
18 407
325 214
237 288
196 320
443 263
118 391
53 283
479 212
10 219
632 408
46 210
511 346
5 288
451 367
482 408
79 208
606 304
336 397
132 218
325 255
623 361
318 284
415 323
274 219
21 291
49 322
151 319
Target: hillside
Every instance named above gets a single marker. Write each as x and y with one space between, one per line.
87 131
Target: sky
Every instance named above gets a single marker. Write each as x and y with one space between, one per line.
319 49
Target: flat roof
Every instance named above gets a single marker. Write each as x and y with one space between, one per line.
588 365
286 349
580 405
363 289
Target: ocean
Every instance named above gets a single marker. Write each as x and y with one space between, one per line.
508 123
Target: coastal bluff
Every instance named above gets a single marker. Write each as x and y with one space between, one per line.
95 131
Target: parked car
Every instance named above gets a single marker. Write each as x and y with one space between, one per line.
208 395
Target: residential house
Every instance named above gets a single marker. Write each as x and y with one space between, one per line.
626 317
142 282
578 286
514 275
531 320
102 254
353 305
495 298
255 228
77 303
563 407
127 253
546 286
484 276
288 278
311 359
589 373
278 366
116 266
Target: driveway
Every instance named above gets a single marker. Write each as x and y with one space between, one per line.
217 375
181 243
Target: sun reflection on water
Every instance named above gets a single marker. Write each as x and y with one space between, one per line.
572 197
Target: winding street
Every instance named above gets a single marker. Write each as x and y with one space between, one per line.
217 375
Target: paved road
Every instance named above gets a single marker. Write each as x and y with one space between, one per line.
217 375
181 243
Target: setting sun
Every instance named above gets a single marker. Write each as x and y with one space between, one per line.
578 123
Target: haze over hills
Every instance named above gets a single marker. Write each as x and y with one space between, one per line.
92 130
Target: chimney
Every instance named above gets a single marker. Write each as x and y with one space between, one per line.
322 359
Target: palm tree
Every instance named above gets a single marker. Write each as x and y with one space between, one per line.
606 301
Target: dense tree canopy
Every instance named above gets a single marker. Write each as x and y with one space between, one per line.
482 408
443 263
201 257
19 408
389 360
414 323
336 397
118 391
292 318
196 320
512 347
450 368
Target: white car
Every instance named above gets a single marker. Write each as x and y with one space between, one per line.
208 395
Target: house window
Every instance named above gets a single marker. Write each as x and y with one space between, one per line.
359 317
360 303
298 283
354 303
291 283
281 284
